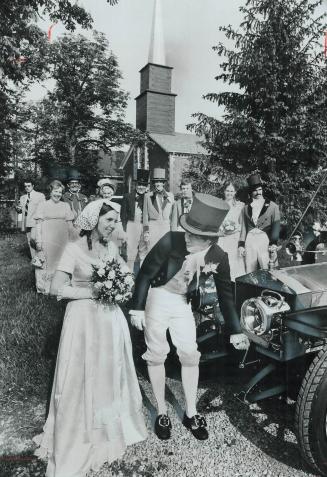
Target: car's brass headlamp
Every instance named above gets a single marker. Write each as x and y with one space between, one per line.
258 314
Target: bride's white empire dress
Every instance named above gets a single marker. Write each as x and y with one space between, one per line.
96 404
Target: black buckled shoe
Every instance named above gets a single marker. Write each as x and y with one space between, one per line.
162 426
197 425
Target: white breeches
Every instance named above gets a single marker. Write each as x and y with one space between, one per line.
256 250
165 310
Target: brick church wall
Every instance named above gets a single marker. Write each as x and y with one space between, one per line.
160 113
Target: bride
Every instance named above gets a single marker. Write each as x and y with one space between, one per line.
96 405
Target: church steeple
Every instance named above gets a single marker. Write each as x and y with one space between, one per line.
155 105
157 42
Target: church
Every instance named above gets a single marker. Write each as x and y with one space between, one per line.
155 114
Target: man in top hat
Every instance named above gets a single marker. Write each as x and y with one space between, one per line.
28 204
157 212
132 217
173 269
260 227
76 200
182 205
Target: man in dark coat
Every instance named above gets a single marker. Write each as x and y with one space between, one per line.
182 205
73 196
260 227
132 217
173 269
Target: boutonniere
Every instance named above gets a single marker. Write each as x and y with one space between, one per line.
210 268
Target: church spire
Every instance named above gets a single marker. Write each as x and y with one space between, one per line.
157 44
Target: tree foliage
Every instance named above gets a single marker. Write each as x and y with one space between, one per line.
84 112
23 53
275 100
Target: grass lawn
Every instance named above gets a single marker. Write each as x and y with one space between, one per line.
29 332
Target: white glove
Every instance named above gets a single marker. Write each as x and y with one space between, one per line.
241 251
137 319
240 341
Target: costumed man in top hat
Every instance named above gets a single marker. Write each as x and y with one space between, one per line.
182 205
73 196
173 269
157 211
132 217
260 227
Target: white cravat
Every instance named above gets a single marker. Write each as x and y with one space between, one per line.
192 264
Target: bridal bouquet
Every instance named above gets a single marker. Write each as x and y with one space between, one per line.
112 281
228 227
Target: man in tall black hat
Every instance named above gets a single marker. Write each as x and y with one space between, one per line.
173 269
132 217
73 195
260 227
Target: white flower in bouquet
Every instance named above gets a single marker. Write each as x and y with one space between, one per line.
108 284
98 285
101 272
129 280
111 274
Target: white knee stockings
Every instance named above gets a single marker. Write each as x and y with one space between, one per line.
190 379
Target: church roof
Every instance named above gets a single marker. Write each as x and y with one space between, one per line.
179 143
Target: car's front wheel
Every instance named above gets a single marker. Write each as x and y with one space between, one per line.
311 414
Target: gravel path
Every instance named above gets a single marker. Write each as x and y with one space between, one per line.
243 442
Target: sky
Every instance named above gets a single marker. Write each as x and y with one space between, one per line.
190 30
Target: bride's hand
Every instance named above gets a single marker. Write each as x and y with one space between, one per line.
94 293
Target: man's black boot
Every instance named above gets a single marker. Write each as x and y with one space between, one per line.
162 426
197 425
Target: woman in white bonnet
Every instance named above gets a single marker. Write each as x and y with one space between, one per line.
96 405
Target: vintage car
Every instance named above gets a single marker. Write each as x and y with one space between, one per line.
284 314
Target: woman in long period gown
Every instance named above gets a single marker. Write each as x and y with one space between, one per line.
96 405
53 229
229 232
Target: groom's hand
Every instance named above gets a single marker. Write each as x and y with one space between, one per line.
137 319
240 341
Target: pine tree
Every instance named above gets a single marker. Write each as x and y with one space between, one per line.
276 121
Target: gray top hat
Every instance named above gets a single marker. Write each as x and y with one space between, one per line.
159 174
206 215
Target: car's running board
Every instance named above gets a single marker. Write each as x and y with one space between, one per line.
205 357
